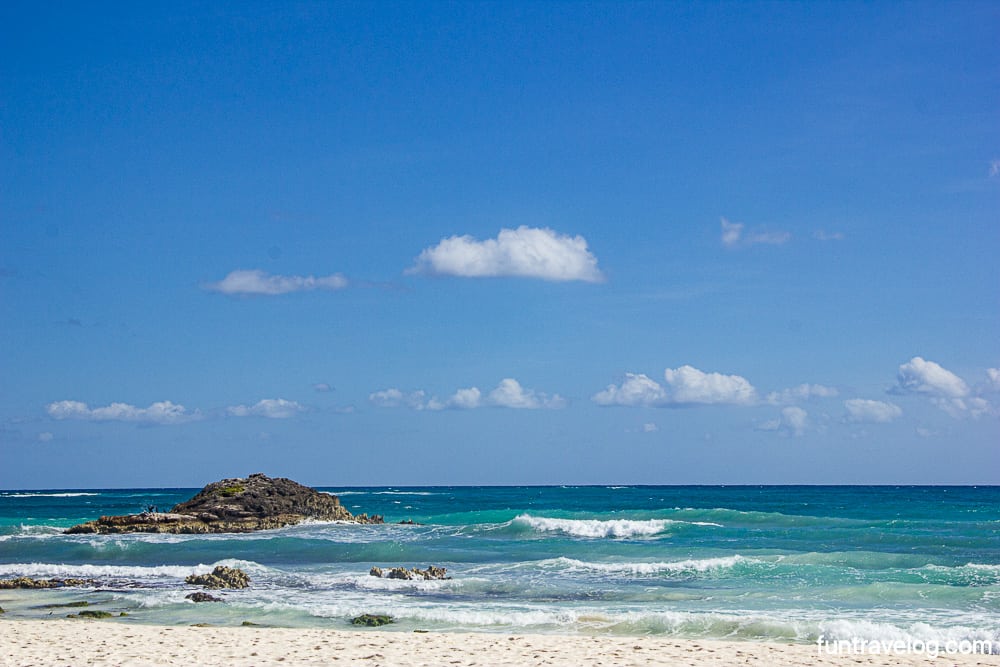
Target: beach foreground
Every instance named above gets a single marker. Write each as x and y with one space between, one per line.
59 642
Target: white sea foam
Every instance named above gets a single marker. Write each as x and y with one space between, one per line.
617 528
869 631
39 494
32 531
139 572
642 568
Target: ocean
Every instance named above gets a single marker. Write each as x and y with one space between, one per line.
792 563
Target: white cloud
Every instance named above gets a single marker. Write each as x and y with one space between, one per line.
683 386
793 421
926 377
993 379
256 281
394 398
271 408
960 408
523 252
865 410
463 399
636 390
994 168
163 412
821 235
690 385
322 387
944 389
650 427
45 436
508 394
803 392
733 235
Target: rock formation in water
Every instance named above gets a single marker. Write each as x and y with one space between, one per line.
220 577
235 505
199 596
431 572
28 582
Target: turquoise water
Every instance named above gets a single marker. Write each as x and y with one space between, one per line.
788 563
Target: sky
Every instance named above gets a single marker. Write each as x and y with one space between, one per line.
499 243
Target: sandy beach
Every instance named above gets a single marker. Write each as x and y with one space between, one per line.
85 642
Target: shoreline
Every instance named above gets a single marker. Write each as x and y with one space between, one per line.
97 642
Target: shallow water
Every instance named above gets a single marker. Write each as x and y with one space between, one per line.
789 563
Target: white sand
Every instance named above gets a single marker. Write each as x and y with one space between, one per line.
113 642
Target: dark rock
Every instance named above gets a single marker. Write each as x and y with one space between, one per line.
2 611
250 624
28 582
221 577
432 572
409 522
201 625
202 597
235 505
93 613
372 620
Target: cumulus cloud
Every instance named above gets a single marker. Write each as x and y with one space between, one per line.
650 427
256 281
690 385
271 408
508 394
394 398
636 390
793 421
526 252
45 436
162 412
682 386
733 236
993 379
803 392
869 411
944 389
918 376
322 387
994 168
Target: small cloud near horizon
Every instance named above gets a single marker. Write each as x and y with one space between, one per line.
733 235
508 394
868 411
683 386
525 252
271 408
161 412
257 282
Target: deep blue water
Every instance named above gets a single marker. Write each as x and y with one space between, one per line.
786 563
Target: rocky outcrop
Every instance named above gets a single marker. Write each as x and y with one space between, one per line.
220 577
202 597
431 572
237 505
28 582
373 620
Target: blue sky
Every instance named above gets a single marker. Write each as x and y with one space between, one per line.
457 243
